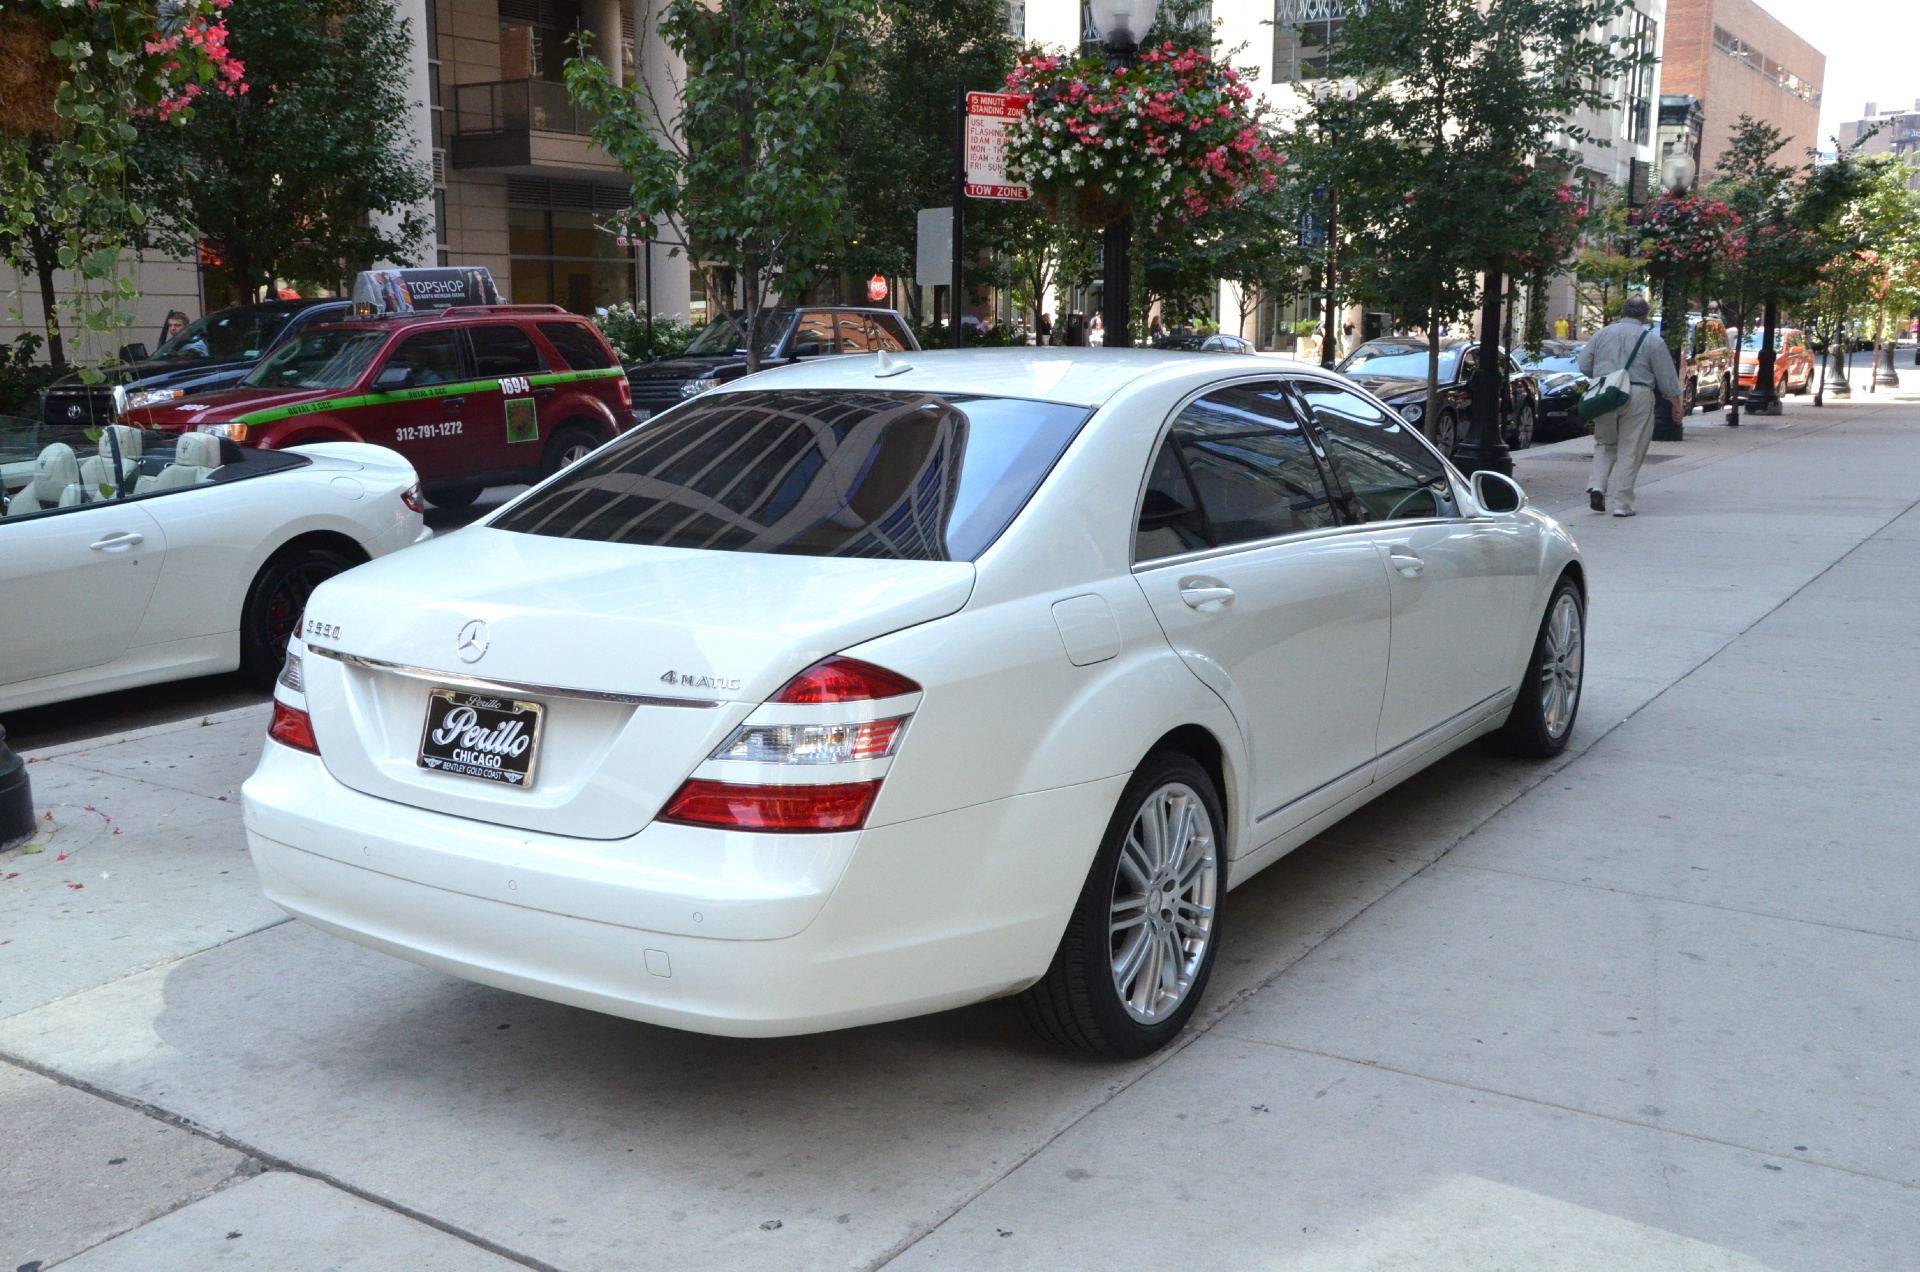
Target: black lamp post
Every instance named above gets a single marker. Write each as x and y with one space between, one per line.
16 797
1335 122
1676 178
1120 24
1485 449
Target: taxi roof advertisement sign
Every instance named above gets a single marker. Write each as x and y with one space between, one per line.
988 115
405 291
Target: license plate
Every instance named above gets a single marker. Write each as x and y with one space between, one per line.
473 735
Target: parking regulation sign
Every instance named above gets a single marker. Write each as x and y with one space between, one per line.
988 115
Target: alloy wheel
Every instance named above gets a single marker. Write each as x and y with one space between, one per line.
1561 662
1165 893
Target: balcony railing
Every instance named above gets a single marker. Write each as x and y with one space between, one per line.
517 106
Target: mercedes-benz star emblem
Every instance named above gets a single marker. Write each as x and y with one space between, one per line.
471 643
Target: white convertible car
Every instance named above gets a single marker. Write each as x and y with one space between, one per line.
874 686
129 557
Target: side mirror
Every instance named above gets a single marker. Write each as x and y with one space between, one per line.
1497 493
393 377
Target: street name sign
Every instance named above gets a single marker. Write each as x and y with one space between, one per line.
988 116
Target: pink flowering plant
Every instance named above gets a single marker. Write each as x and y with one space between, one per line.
1683 235
1174 130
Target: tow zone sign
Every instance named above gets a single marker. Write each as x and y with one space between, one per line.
988 115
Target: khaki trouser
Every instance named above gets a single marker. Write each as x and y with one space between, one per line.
1619 446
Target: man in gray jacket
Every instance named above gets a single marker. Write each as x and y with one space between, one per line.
1620 437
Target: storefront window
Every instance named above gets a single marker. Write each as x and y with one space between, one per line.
566 259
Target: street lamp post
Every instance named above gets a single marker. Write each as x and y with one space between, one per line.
1347 91
1676 178
1120 24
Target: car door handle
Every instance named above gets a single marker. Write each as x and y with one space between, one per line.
1408 563
118 542
1205 594
454 404
545 393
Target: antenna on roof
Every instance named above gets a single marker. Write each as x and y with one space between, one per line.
885 366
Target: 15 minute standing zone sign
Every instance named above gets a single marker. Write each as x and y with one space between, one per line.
988 115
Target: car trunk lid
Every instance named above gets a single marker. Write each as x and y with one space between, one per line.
640 659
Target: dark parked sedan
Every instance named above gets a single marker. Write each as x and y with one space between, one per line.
1394 368
213 353
719 353
1562 384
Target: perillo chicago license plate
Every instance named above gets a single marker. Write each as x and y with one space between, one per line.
472 735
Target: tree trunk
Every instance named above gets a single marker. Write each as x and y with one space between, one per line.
1486 448
49 304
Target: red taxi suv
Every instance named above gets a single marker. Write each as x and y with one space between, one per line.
472 395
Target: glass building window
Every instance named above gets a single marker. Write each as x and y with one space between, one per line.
566 259
1303 32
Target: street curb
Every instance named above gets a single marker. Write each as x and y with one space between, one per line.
153 730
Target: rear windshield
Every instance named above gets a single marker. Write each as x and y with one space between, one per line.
898 476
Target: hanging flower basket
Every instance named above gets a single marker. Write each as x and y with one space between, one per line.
1173 130
1684 235
30 76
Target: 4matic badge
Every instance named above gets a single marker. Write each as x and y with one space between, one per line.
692 681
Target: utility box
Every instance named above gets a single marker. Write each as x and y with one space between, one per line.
933 254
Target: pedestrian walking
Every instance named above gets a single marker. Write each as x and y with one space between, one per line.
1620 437
1562 328
1043 330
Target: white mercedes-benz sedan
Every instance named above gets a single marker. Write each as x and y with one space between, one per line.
874 686
131 556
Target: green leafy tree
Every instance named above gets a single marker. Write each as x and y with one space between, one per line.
310 175
73 79
751 165
896 142
1884 218
1484 92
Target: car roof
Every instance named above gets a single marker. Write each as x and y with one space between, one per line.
459 313
1084 377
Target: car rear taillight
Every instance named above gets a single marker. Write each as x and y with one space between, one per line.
414 500
626 391
839 679
292 727
735 806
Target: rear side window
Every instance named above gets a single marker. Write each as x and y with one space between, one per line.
579 344
866 333
1251 465
502 349
852 473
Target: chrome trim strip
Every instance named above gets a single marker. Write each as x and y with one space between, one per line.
1451 722
1298 536
505 686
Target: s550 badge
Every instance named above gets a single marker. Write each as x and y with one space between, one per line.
325 631
692 681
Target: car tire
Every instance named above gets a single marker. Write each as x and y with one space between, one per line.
1689 397
274 604
1549 700
453 498
1446 433
569 443
1523 426
1080 1002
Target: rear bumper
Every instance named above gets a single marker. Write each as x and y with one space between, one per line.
890 922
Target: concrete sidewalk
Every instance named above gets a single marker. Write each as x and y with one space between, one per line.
1651 1006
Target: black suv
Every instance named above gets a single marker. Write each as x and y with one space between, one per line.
213 353
719 353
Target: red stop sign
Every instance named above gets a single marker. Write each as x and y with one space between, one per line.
876 288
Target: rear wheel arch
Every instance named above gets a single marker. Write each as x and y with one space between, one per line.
1198 742
259 657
